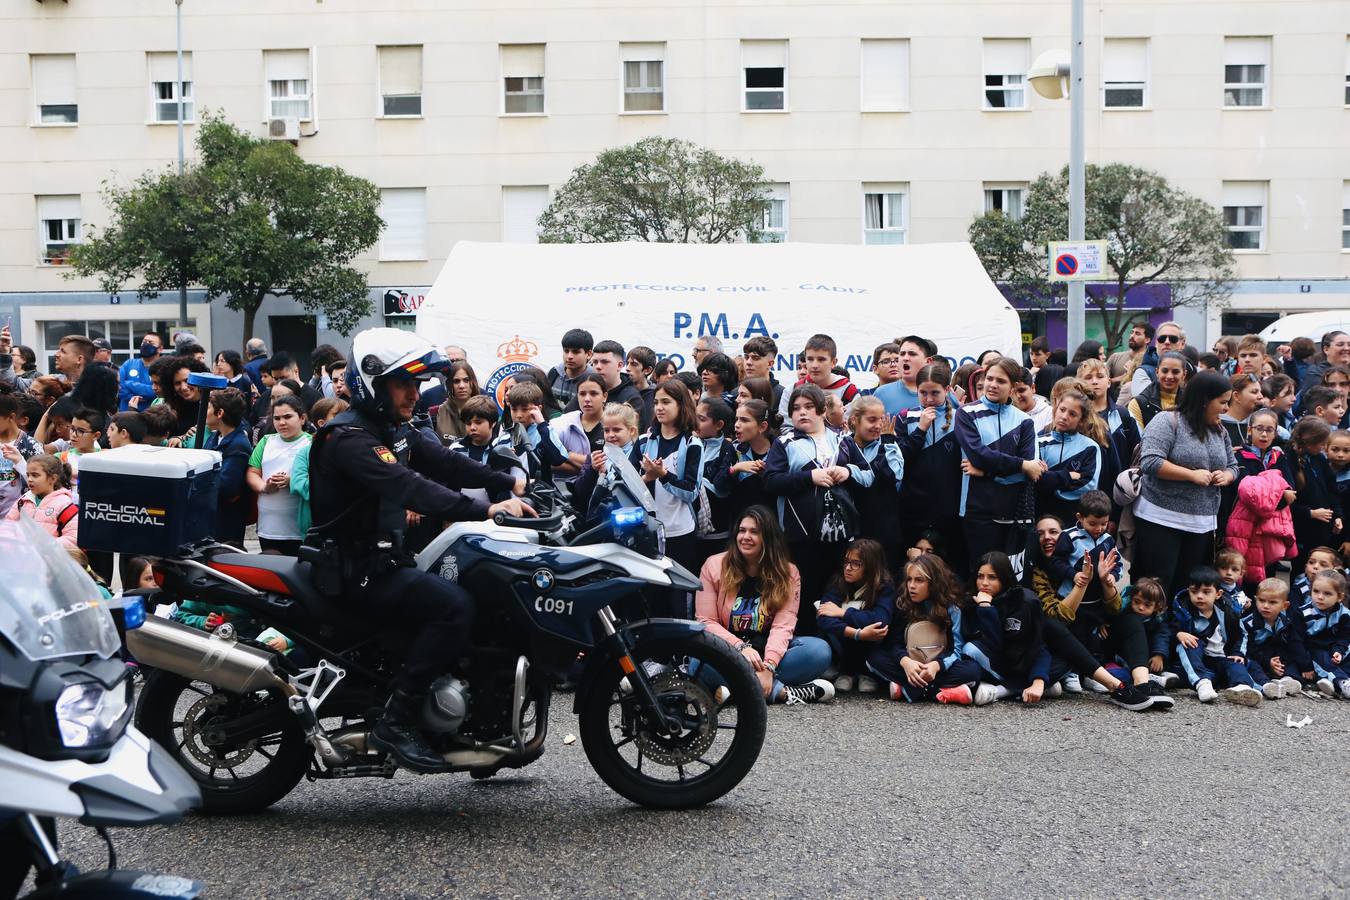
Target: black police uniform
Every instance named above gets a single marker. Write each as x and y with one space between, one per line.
363 476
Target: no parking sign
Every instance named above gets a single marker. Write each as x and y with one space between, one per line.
1077 260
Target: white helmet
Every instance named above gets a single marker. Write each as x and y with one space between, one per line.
380 353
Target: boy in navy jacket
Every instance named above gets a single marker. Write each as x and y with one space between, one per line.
1088 539
1276 654
1209 642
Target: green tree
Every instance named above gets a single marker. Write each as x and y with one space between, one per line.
249 218
1155 233
661 190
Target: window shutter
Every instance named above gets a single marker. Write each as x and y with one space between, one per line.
885 75
404 211
522 60
164 66
651 52
1244 193
1246 51
400 70
521 207
1125 60
54 79
1006 56
287 65
764 54
59 206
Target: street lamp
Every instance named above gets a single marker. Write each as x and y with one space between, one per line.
182 287
1053 77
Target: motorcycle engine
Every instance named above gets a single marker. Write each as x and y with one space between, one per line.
447 705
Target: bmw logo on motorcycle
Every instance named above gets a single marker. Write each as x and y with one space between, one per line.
543 581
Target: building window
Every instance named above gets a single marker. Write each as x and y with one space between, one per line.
1005 198
124 335
1246 71
404 211
764 75
58 227
289 84
1347 71
1125 73
1345 216
644 82
885 213
775 225
164 87
523 77
885 76
1244 213
522 205
1005 72
400 81
54 89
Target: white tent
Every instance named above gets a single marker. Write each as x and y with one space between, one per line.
1309 324
509 304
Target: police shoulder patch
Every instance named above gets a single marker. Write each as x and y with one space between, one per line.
385 454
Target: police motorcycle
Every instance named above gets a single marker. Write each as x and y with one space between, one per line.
669 715
67 749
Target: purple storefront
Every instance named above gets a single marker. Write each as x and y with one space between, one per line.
1152 302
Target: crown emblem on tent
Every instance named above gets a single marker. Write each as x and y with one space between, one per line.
518 350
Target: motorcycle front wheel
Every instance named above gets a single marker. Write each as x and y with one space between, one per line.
248 777
703 685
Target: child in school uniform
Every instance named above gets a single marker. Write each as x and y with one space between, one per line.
1316 508
931 492
672 466
1072 451
1209 645
756 430
528 433
1232 567
1276 653
1338 454
1087 546
854 616
1326 624
714 418
1320 559
479 416
592 491
879 505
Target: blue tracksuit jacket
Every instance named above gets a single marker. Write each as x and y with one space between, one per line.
1283 638
997 438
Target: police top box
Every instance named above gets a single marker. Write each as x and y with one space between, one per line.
147 500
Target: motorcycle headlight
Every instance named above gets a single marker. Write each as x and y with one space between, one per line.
87 714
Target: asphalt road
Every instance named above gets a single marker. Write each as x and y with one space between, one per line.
860 798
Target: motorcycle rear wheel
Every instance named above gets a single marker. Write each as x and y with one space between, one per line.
174 711
676 771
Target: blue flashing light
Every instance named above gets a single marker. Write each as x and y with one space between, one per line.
628 516
208 380
133 612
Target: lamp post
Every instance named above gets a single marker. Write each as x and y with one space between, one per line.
178 90
1054 77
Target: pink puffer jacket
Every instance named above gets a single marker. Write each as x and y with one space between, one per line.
1259 528
56 512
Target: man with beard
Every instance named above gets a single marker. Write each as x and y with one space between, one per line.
1118 364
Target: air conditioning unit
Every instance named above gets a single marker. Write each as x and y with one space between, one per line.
287 129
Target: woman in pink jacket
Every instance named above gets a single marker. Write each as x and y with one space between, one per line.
48 501
749 599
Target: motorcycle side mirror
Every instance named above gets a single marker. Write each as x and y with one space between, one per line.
503 459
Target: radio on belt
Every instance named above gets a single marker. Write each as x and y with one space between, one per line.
147 500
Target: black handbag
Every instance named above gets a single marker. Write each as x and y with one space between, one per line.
838 516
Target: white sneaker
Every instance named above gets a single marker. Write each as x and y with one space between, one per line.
1095 686
868 685
1055 690
985 693
1165 680
1292 686
843 684
1071 683
1243 695
1204 690
1272 690
1326 686
1345 688
818 691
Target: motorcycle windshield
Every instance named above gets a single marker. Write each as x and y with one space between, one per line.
48 606
631 484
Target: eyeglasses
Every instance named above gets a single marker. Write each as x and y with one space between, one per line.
76 431
852 564
1168 338
1263 429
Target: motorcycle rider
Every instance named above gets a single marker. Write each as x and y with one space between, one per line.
368 467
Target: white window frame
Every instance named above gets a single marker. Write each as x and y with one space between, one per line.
1010 81
527 91
1004 189
57 212
311 87
746 90
189 106
388 253
1347 72
87 320
1345 217
33 65
902 102
1250 189
1142 86
889 226
780 199
381 96
642 88
1265 64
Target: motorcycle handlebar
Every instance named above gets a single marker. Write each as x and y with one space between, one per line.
546 523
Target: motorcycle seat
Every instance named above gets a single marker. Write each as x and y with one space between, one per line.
278 574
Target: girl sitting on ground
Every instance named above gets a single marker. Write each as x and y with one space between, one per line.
855 613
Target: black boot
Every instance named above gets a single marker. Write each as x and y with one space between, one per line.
396 734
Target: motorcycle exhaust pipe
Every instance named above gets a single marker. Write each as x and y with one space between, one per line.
194 654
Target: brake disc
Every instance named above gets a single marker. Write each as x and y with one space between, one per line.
689 744
197 723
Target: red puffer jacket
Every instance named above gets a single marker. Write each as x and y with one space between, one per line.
1260 528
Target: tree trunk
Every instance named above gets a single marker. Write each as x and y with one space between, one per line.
250 315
